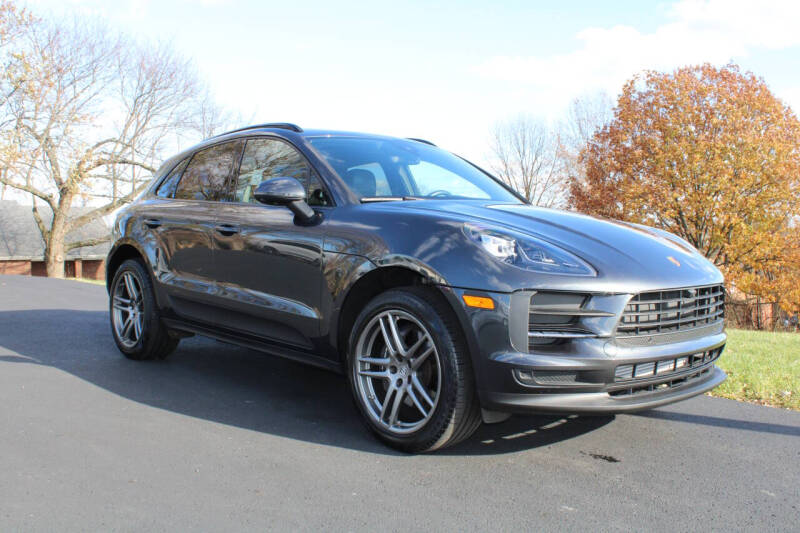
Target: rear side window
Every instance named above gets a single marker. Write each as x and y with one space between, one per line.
206 176
265 159
167 187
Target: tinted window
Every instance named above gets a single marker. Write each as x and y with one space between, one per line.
167 187
407 168
381 183
206 175
265 159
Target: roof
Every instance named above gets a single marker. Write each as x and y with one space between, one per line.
20 238
289 130
282 129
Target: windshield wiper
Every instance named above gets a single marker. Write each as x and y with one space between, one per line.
370 199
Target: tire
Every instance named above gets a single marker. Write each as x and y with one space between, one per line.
135 322
413 402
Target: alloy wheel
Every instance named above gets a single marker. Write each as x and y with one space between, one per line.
128 310
397 371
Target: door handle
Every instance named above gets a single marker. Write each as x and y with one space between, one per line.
227 229
152 222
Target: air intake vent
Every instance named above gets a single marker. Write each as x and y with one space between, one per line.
662 386
554 318
666 366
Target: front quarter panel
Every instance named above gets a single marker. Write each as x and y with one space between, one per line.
431 244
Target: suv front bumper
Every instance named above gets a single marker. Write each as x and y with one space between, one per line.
585 375
601 402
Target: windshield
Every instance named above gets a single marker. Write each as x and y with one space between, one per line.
377 167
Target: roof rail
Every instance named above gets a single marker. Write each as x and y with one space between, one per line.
420 140
281 126
277 125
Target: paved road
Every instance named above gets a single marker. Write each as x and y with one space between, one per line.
222 438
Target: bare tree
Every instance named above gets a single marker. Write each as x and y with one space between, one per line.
13 22
88 115
212 119
586 115
526 158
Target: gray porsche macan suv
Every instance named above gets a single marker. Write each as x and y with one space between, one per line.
442 296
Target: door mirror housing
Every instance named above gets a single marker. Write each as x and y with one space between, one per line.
287 192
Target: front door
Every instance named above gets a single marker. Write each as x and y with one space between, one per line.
269 268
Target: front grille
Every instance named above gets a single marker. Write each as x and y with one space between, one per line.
657 312
671 337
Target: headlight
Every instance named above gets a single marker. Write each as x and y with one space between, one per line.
527 252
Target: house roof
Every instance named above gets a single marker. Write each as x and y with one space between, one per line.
20 238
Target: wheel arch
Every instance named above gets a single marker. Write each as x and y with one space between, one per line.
119 254
383 278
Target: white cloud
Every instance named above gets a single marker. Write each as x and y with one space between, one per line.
769 24
696 31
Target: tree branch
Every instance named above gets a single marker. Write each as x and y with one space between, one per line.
97 163
26 188
86 243
104 210
40 223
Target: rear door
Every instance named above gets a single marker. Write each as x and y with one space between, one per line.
269 268
184 226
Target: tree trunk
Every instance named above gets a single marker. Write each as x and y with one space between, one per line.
54 245
54 256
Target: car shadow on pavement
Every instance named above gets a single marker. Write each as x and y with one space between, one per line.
526 432
231 385
763 427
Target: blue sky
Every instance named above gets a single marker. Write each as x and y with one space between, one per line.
447 71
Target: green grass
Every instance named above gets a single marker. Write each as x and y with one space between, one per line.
762 367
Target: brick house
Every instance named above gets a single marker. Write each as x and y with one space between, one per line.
22 247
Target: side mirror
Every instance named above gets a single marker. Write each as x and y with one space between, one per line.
286 192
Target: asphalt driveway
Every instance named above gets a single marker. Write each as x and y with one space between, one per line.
222 438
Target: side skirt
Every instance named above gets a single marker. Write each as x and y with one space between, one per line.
255 344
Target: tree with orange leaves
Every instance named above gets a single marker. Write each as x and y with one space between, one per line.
713 156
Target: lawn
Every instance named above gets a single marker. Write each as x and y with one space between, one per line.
762 367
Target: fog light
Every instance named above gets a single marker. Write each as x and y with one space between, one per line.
524 376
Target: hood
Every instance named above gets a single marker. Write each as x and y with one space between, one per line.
619 251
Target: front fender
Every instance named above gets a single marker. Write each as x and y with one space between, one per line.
412 263
431 244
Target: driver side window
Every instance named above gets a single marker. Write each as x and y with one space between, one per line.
265 159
